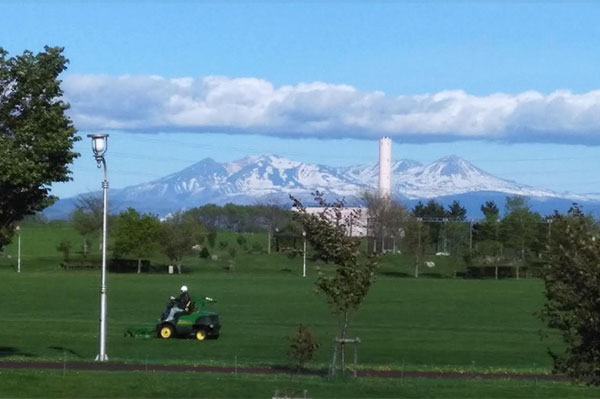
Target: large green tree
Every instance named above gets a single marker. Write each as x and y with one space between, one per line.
572 281
36 137
136 235
519 229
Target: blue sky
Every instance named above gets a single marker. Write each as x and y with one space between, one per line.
512 87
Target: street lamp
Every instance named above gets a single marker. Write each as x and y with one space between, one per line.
304 255
18 229
99 142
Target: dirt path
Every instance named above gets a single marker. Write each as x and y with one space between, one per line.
97 366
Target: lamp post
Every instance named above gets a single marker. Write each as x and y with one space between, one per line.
304 255
18 228
99 143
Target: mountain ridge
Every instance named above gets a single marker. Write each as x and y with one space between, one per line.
271 178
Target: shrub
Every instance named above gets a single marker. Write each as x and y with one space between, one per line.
241 240
65 247
211 238
257 247
303 347
232 252
204 253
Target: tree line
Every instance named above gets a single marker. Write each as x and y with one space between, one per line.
177 235
517 236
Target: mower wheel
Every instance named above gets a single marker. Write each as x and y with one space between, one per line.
165 331
200 335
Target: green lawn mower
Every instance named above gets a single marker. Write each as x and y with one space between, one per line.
198 323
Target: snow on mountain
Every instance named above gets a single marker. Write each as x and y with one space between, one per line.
452 175
368 175
272 178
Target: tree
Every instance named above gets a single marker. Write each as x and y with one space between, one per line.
87 218
178 234
136 235
386 219
303 347
431 210
489 228
65 247
416 234
488 249
519 227
572 277
36 137
346 288
456 211
270 215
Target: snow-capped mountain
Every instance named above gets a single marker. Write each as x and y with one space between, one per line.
271 178
452 175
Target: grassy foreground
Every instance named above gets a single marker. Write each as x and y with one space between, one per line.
404 323
73 384
47 313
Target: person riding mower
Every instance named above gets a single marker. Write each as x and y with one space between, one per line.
196 322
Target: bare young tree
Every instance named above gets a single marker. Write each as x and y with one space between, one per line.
87 218
387 219
270 214
178 234
348 285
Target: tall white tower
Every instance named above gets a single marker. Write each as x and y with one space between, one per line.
385 167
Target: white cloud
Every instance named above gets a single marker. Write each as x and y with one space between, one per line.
318 109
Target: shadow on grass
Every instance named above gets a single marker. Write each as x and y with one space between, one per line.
396 274
66 350
7 351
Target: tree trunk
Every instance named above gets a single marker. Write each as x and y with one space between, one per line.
342 344
522 256
178 267
417 269
269 241
139 265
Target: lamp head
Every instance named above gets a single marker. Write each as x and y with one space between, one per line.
99 144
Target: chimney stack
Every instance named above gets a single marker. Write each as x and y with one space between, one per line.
385 167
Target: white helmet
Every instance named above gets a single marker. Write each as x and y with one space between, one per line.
184 288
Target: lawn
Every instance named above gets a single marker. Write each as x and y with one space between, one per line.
47 313
76 384
405 322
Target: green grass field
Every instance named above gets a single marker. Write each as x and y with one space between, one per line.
47 313
418 323
75 384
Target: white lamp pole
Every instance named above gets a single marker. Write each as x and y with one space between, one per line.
18 228
304 255
99 144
